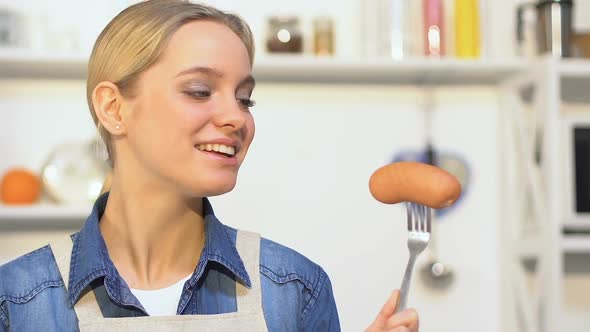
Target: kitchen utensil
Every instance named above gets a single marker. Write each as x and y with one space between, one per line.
419 219
439 274
553 26
436 274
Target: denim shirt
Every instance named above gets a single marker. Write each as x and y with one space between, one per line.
296 293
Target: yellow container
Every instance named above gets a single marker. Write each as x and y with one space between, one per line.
467 29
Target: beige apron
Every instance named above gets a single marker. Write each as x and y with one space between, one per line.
249 316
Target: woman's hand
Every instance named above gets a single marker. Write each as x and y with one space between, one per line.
389 321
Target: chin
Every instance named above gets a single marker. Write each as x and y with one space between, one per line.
213 188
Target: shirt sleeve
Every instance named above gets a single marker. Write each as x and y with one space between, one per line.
3 318
321 313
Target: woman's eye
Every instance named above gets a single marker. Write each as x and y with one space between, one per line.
198 94
246 102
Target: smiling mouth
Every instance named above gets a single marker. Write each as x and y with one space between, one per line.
220 149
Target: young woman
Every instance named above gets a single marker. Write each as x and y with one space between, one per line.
169 86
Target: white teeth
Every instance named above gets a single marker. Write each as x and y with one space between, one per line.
229 150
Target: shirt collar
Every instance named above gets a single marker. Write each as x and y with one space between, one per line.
90 260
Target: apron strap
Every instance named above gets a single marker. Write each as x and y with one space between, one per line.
62 251
87 307
248 300
248 245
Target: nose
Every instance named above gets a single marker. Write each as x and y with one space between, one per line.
230 115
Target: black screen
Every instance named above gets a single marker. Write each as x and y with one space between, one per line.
582 158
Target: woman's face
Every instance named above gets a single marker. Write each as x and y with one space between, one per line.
189 123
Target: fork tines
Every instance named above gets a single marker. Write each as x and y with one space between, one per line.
419 217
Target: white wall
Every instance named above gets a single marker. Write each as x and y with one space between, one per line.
309 169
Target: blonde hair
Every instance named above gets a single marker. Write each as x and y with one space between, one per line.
135 39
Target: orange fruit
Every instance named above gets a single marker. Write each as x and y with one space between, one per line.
20 186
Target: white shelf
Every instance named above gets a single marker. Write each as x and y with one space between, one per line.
530 247
386 71
306 69
576 244
295 69
45 211
575 79
579 222
43 216
22 64
575 68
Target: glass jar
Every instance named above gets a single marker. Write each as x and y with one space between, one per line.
323 31
284 35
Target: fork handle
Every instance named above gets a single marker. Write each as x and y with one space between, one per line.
406 284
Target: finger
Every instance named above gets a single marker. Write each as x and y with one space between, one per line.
408 318
400 329
388 308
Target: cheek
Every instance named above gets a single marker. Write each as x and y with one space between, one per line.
164 128
249 133
251 128
180 119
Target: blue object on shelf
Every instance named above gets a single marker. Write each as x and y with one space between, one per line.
450 162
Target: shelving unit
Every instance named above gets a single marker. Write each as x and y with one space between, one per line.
576 244
535 226
295 69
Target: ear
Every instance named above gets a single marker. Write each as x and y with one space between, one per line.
107 101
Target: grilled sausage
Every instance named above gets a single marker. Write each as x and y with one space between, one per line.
414 182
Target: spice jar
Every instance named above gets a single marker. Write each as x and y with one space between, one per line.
323 29
284 35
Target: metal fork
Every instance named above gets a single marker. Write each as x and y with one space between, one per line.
419 218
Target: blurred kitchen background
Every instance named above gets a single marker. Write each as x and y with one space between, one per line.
495 90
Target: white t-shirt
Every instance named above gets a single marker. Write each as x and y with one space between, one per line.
161 302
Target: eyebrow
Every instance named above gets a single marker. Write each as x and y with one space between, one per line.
214 72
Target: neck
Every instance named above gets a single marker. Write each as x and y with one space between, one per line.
153 237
